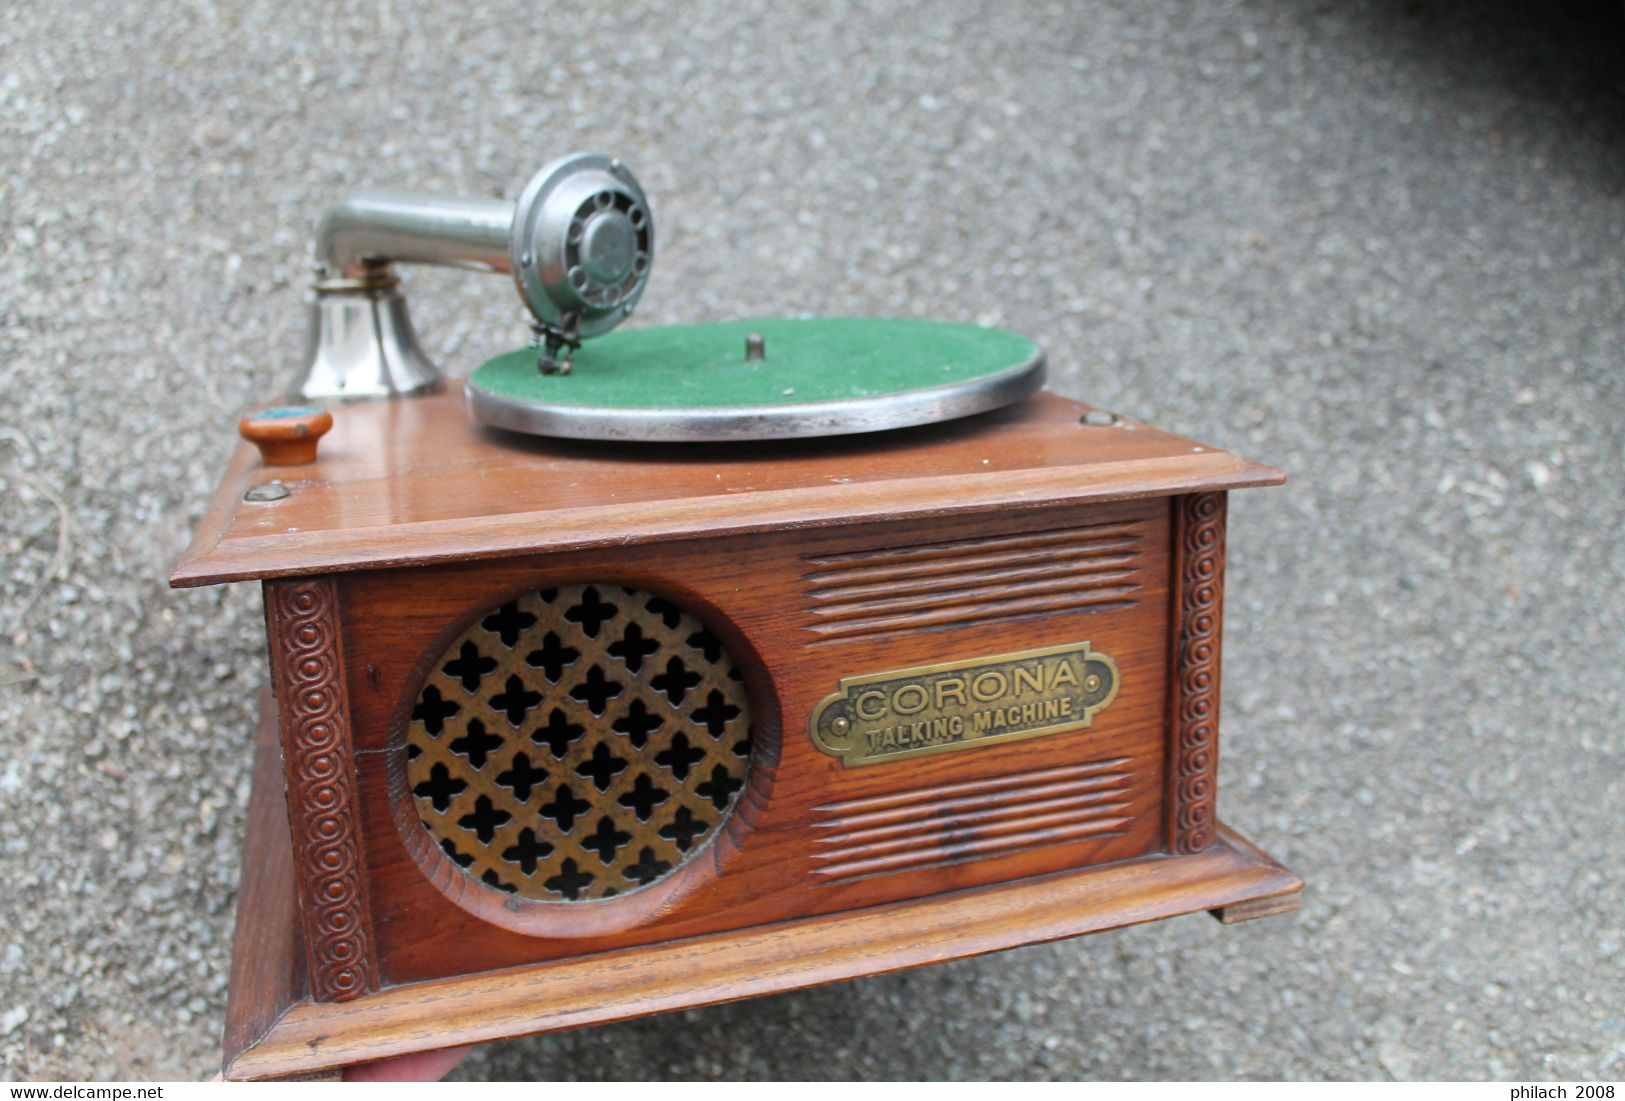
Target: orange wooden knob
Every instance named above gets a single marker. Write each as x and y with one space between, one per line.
286 435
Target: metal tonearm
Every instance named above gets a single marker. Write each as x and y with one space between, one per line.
579 242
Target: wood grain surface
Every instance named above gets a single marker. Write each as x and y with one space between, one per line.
307 1037
706 971
275 1030
770 862
269 967
812 566
413 481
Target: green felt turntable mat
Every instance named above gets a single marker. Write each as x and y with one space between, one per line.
819 377
808 360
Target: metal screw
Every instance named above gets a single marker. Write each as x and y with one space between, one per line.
1098 418
755 347
841 725
270 491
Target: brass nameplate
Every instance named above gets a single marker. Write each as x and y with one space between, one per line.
964 704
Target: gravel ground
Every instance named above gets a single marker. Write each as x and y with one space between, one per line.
1374 243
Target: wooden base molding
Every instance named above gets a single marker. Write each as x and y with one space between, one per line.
275 1029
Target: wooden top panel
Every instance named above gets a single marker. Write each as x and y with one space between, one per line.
409 482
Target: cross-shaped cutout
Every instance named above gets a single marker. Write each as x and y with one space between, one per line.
463 859
597 690
557 734
521 777
670 614
440 789
552 657
508 623
680 756
515 699
469 666
526 850
484 820
644 798
719 788
565 808
568 810
637 724
602 767
683 828
476 743
705 642
570 881
433 710
675 681
606 840
633 647
592 613
491 879
647 869
716 714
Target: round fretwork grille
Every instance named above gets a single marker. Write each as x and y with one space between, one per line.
579 743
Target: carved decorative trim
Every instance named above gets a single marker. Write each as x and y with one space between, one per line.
307 662
1193 702
894 591
928 827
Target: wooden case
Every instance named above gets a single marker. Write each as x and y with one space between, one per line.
359 938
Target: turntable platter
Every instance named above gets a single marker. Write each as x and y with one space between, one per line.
762 379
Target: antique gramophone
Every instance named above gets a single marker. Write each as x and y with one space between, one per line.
692 663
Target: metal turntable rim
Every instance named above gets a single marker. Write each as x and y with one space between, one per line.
990 368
